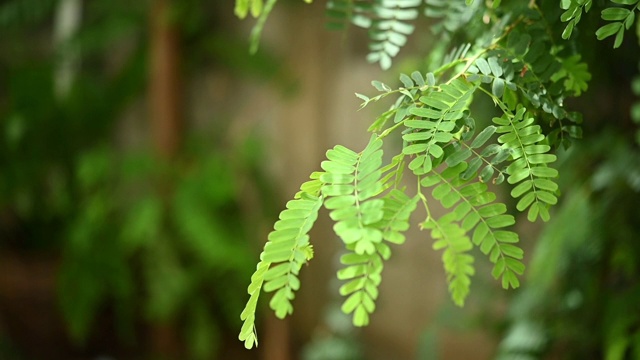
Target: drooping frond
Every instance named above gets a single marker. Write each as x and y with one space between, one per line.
388 22
352 180
529 168
458 264
453 14
390 29
286 250
248 333
341 13
363 271
479 214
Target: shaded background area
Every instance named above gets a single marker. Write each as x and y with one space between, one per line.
144 156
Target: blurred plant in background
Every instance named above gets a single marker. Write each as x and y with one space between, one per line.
187 250
158 242
583 291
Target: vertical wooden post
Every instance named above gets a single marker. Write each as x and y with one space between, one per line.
277 339
165 108
165 90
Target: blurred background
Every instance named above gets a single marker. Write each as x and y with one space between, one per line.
144 156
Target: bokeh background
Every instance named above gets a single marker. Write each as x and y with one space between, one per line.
144 156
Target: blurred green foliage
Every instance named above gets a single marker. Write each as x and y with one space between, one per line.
582 295
44 134
176 256
153 241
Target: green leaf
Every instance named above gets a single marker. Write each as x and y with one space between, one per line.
483 136
619 38
613 14
486 173
518 175
526 201
471 170
545 184
415 148
492 210
458 265
342 155
336 167
435 150
256 8
496 69
522 188
498 87
608 30
337 190
417 77
519 42
625 2
363 97
431 80
547 197
483 65
459 156
406 81
570 14
568 30
546 172
242 8
500 221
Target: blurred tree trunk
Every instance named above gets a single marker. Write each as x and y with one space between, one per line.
165 85
165 107
277 342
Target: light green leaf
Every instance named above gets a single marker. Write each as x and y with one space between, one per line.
483 136
608 30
